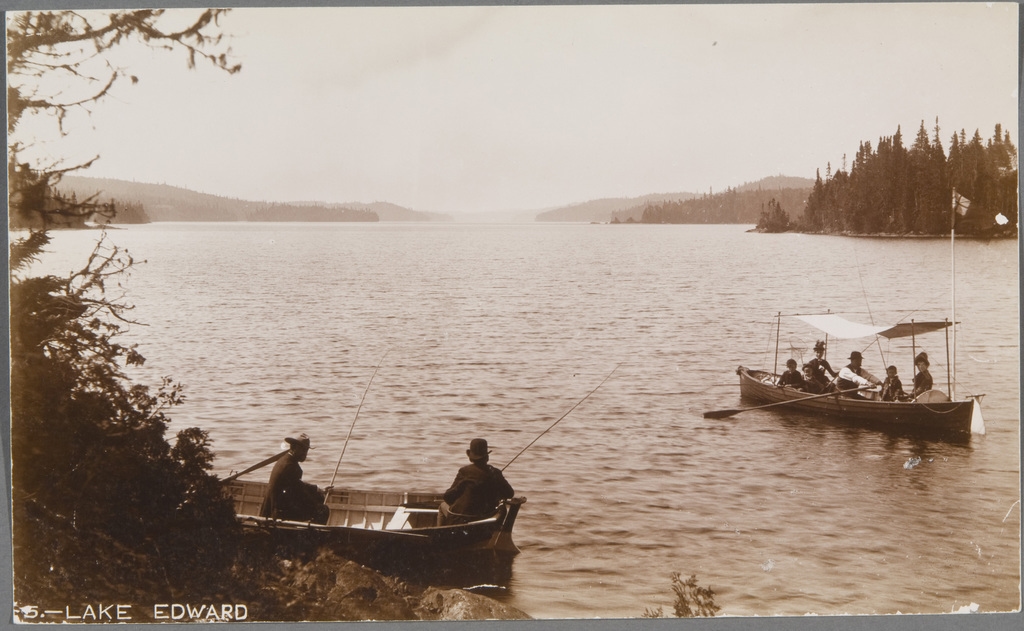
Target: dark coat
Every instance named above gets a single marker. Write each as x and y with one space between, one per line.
892 389
288 497
819 368
922 382
793 379
477 490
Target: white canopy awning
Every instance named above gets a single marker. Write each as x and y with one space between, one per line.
844 329
839 327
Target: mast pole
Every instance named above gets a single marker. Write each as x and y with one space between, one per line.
951 368
778 326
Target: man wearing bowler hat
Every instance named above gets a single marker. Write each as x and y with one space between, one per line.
853 376
477 490
288 497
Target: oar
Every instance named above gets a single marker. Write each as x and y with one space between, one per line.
725 413
262 463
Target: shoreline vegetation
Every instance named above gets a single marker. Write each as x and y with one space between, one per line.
889 192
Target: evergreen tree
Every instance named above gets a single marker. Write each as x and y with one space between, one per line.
775 219
901 191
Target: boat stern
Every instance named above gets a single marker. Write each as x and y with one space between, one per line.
977 420
501 540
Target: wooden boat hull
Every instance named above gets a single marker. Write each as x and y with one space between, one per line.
940 416
381 522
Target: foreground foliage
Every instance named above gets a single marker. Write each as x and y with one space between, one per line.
692 600
94 480
103 506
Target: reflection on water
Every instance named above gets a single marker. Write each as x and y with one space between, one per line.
497 330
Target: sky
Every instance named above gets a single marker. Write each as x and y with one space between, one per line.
500 108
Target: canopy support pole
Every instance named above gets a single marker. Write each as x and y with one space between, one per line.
913 349
949 380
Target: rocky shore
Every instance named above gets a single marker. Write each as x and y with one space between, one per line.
332 588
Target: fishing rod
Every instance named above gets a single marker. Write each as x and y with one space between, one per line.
562 417
353 425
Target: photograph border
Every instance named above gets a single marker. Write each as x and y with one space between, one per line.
942 622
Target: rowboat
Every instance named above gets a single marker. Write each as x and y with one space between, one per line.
393 523
933 410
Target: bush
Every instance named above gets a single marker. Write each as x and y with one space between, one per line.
691 600
95 484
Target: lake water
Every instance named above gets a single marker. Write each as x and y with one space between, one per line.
496 331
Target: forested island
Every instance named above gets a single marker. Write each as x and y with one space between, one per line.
730 206
891 189
887 190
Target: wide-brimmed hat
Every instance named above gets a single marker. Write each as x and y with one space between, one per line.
819 346
477 449
856 355
302 442
922 357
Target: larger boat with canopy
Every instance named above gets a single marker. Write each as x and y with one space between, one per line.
933 409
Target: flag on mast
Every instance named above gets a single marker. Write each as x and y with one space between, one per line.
960 206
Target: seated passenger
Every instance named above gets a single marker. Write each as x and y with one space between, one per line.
892 387
792 376
810 384
923 378
821 371
288 497
852 376
477 491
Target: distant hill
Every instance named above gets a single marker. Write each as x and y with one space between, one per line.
602 210
162 202
777 182
631 209
310 212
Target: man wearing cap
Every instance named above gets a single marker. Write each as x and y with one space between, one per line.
853 376
477 490
288 497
